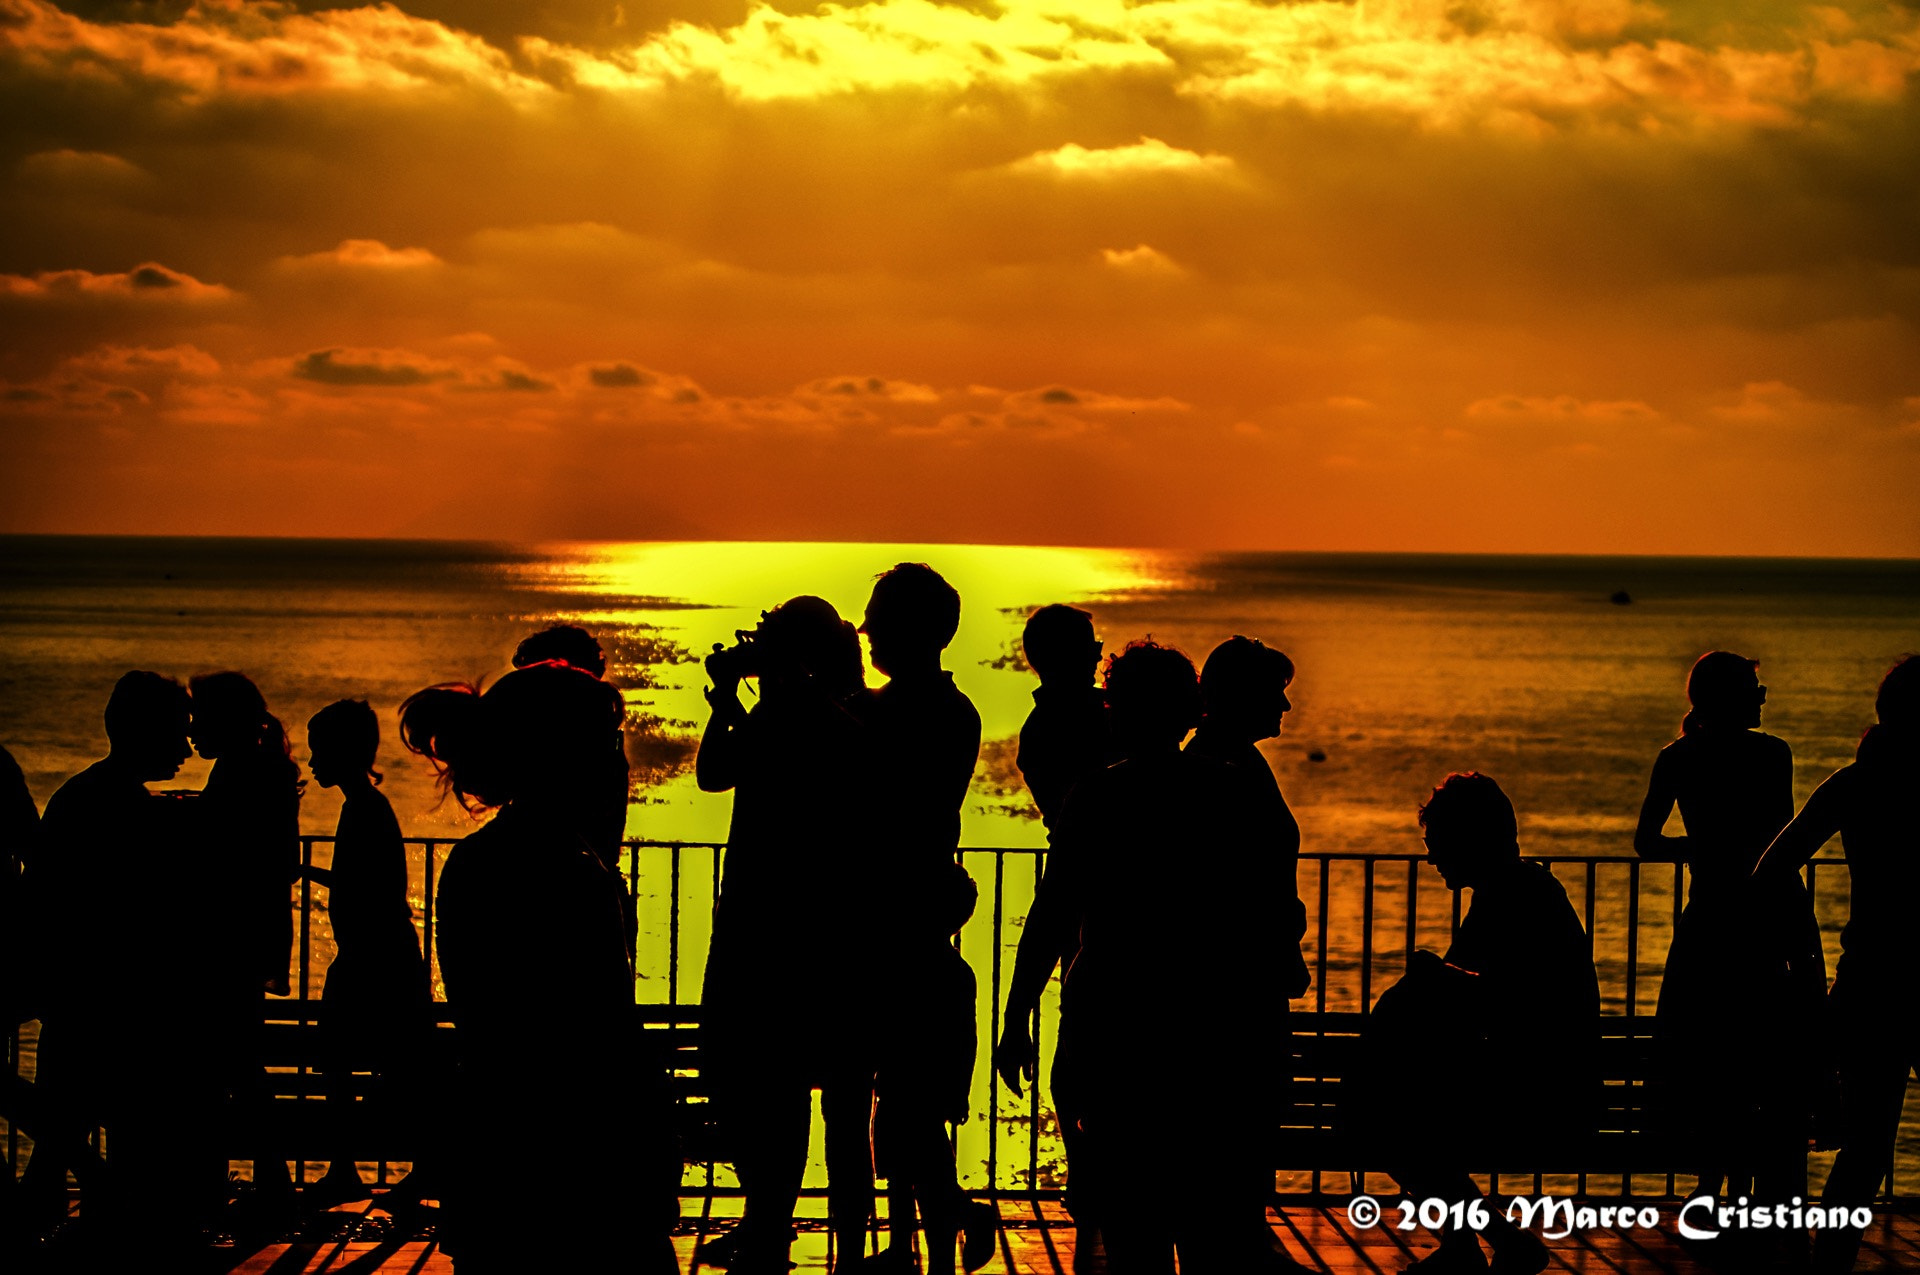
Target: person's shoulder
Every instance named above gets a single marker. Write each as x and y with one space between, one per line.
1771 745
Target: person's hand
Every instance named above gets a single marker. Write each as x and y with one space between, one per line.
1014 1056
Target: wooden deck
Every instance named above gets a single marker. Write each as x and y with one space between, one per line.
1038 1240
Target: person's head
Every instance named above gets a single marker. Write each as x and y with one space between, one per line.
527 738
1153 697
568 643
1725 692
1244 688
911 616
1470 829
148 719
1060 645
230 716
344 738
804 640
1897 704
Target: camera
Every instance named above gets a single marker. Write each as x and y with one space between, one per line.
745 658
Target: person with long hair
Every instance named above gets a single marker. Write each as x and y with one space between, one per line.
1745 975
250 811
376 996
782 1004
540 985
1873 805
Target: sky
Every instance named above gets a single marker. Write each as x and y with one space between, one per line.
1588 276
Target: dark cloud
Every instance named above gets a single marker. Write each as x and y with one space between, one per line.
620 376
364 368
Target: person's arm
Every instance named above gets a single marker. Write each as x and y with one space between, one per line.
1816 824
1051 935
717 766
1650 841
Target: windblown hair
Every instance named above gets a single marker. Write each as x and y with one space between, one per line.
568 643
1153 693
1720 686
531 733
1473 802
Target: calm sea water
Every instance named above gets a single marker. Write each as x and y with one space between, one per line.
1409 667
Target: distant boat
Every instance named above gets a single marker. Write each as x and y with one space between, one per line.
1316 755
1622 599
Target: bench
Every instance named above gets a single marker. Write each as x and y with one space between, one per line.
299 1122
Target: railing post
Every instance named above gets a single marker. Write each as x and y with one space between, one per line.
993 1019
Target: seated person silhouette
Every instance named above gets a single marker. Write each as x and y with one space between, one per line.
924 1083
602 802
1488 1049
113 859
376 995
1065 737
1170 869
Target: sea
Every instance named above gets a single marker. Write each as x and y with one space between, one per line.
1562 677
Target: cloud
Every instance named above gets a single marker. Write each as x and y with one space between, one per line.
1063 397
1763 401
620 376
242 48
1561 407
369 368
149 282
868 387
368 254
171 361
1149 155
1143 261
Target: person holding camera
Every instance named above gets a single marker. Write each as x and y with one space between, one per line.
787 925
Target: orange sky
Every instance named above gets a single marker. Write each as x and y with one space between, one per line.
1506 275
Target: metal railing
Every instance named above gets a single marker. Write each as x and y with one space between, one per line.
1367 915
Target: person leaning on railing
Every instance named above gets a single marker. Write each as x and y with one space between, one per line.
1873 805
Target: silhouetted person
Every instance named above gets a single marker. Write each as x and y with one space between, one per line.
1065 737
1243 692
19 833
1745 976
119 914
924 1083
250 812
1492 1045
376 997
602 801
782 1008
1874 807
1170 868
925 743
541 989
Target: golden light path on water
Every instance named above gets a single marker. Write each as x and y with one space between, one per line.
701 593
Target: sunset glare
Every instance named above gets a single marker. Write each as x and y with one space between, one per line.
1457 275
